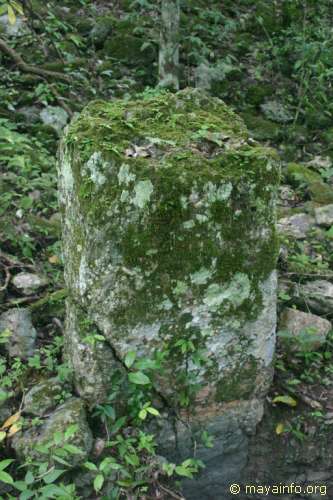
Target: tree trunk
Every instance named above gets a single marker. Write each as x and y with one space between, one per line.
169 45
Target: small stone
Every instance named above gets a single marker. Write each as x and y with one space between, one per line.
42 397
55 117
317 295
276 111
101 31
324 215
19 28
70 413
29 283
308 330
22 341
30 113
296 226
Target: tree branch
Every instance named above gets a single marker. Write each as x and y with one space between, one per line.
28 68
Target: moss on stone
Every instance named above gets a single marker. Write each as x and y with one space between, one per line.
301 175
239 383
190 135
178 210
260 128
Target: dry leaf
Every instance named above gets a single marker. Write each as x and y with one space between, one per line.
279 428
54 259
10 421
14 429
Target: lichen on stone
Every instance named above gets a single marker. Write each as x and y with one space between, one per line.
179 239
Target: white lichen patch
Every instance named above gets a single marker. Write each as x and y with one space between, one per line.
234 293
143 191
217 193
66 178
125 176
201 277
94 166
83 275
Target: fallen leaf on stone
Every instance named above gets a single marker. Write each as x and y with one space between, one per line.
287 400
137 151
10 421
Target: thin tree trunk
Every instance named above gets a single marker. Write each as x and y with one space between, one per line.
169 44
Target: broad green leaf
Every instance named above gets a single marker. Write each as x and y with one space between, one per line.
143 414
6 478
130 358
183 471
5 463
138 378
98 482
11 15
71 448
17 6
20 485
53 476
29 477
287 400
153 411
90 466
25 495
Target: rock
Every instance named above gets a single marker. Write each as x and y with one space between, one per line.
316 295
70 413
296 226
13 30
168 237
308 331
42 397
276 111
22 341
302 175
260 128
29 283
101 30
55 117
287 196
298 174
324 215
30 113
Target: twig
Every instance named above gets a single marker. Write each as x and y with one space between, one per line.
61 100
28 68
171 493
15 262
7 279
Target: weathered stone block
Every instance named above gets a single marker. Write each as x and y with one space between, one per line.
169 237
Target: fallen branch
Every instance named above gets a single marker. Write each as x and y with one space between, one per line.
28 68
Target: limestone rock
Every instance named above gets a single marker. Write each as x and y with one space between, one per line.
308 330
70 413
324 215
55 117
41 398
296 226
169 235
22 341
316 295
29 283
